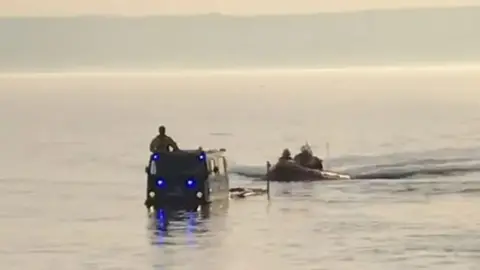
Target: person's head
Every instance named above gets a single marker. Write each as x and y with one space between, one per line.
306 150
161 130
286 153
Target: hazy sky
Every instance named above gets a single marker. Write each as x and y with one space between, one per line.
139 7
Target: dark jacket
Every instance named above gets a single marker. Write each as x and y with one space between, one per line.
162 143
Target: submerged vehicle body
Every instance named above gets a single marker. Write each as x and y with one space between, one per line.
160 219
290 171
186 179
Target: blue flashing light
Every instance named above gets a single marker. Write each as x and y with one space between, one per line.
201 157
160 182
155 157
190 183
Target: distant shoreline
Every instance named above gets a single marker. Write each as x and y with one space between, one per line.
448 67
406 37
245 16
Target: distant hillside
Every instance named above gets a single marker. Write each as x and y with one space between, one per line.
213 41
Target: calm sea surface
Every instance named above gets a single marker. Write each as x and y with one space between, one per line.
73 147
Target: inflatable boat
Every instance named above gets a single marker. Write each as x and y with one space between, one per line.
289 171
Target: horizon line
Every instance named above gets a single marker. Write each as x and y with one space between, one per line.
451 66
222 14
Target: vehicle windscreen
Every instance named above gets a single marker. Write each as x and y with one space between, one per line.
181 166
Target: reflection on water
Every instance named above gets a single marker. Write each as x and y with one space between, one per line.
165 224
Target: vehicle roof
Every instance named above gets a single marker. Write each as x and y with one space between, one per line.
187 152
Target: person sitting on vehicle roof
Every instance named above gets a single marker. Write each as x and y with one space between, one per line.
162 142
306 158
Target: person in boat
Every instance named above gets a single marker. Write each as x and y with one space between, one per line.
286 156
306 158
162 142
317 163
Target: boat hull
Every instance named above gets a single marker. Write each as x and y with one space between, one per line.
292 172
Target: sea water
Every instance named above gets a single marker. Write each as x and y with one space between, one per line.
73 149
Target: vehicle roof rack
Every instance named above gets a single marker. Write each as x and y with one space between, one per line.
209 151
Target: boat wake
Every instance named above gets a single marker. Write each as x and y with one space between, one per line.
400 171
395 166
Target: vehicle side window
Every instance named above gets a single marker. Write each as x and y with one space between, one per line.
221 165
225 164
211 165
